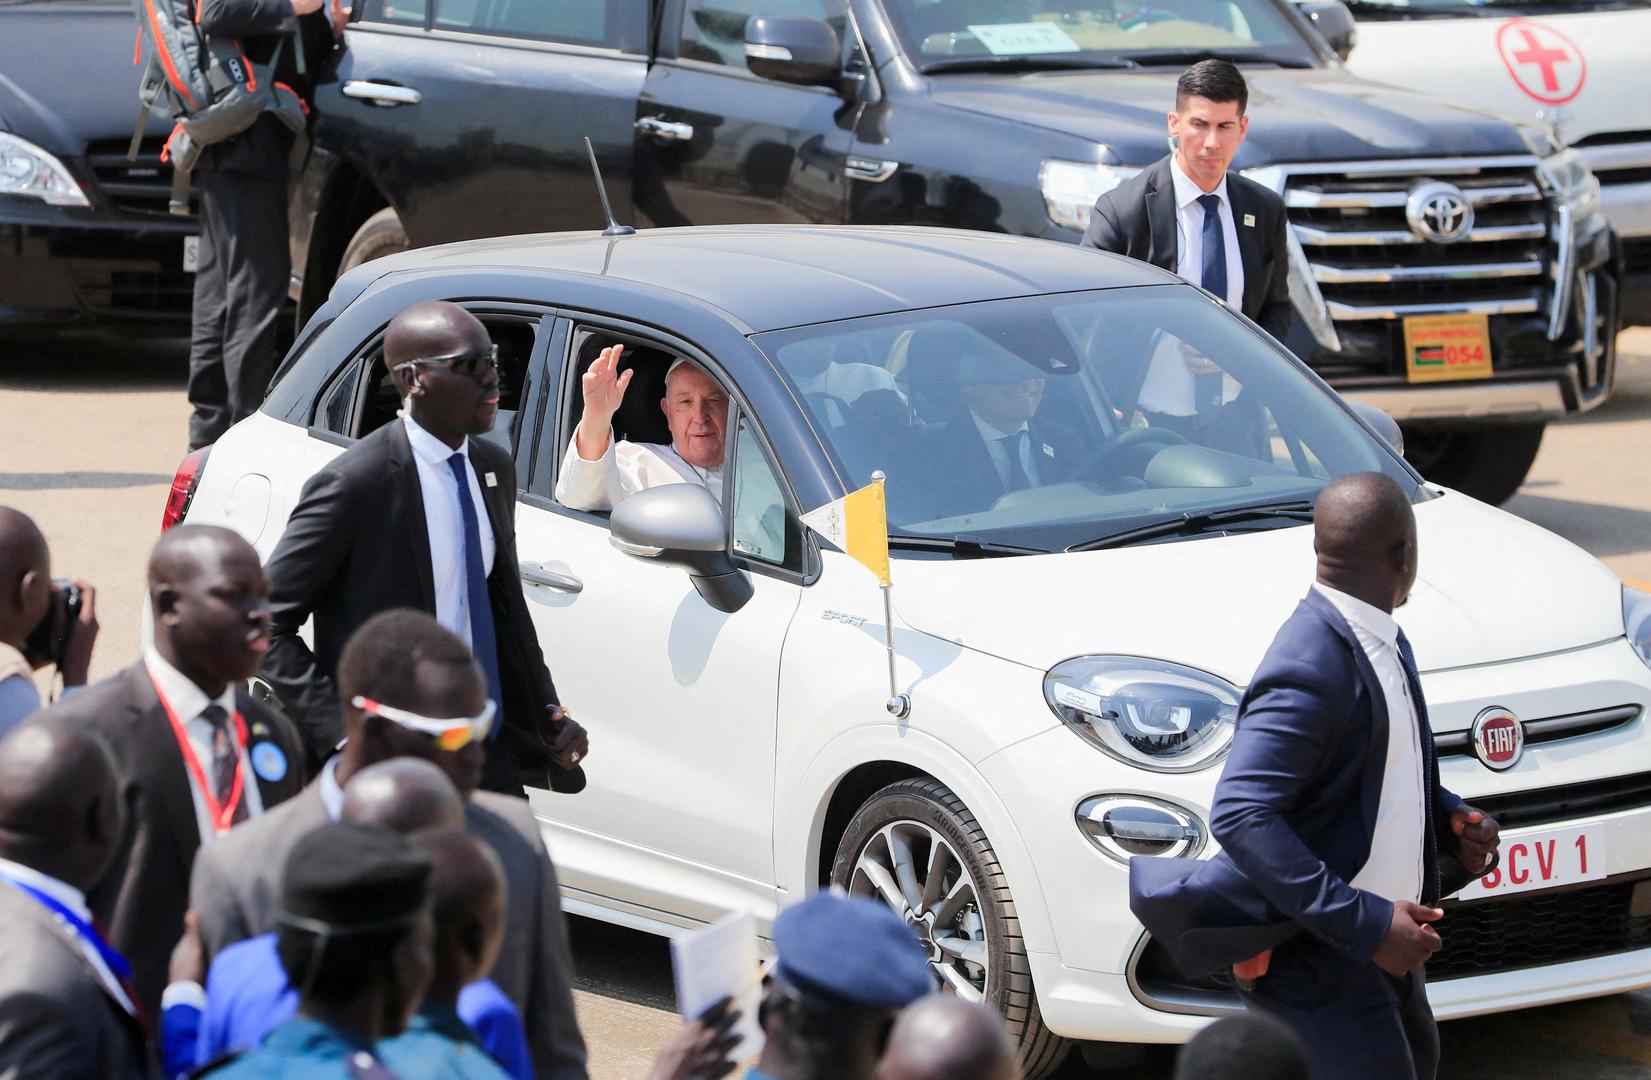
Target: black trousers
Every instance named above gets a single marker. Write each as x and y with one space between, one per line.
1358 1022
240 286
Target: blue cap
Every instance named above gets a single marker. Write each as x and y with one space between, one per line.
851 950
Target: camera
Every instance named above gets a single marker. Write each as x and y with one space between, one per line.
48 643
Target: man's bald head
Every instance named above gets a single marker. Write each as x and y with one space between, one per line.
211 605
182 551
25 575
405 794
431 328
946 1038
60 810
1364 533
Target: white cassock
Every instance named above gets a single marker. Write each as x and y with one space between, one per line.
624 469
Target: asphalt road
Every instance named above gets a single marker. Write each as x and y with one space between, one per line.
92 431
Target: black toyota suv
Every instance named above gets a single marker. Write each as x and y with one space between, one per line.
455 119
85 236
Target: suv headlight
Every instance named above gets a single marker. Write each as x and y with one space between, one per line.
1636 620
1573 183
1070 188
29 171
1148 713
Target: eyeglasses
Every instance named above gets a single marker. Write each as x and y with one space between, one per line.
471 364
453 734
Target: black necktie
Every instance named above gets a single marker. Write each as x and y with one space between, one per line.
226 760
1014 473
483 644
1213 276
1424 733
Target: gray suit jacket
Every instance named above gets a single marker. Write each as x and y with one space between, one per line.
57 1021
236 889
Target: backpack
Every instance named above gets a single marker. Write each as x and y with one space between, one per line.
206 85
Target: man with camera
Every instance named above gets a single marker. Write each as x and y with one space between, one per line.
42 622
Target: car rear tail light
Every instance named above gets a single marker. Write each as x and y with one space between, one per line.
184 482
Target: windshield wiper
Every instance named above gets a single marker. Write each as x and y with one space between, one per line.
1023 63
965 546
1178 57
1196 522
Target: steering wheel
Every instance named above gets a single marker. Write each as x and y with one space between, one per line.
1119 443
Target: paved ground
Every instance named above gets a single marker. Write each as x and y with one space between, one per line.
93 431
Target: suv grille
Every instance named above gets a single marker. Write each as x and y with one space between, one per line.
1372 268
140 187
1543 928
1545 806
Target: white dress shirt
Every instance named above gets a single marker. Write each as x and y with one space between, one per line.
1394 869
993 438
445 525
1168 387
331 791
188 701
75 901
625 468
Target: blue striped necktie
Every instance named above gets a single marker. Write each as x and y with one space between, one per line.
482 641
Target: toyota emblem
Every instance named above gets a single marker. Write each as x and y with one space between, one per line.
1439 212
1498 738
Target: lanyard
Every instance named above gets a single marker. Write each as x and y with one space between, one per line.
88 933
222 817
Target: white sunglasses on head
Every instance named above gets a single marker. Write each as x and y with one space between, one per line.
452 734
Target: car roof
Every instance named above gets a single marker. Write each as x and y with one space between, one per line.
768 277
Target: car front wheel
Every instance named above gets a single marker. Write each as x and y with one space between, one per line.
380 235
917 848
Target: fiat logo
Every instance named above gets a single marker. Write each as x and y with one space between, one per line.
1498 738
1439 212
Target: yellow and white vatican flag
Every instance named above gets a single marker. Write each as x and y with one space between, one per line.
858 523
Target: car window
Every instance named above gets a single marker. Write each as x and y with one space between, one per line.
338 399
713 31
760 518
583 22
399 12
1050 421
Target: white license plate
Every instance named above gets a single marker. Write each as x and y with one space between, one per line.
1543 859
191 254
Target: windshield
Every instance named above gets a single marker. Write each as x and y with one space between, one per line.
1053 421
1089 32
1405 9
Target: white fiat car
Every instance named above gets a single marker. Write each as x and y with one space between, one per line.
1073 641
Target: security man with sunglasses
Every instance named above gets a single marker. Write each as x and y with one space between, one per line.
421 514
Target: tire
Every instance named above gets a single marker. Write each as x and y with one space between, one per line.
908 818
1487 462
379 235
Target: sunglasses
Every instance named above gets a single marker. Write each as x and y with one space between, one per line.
471 364
454 734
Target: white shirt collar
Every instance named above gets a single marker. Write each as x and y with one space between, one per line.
709 478
1187 192
990 433
429 449
61 891
332 792
1367 617
187 699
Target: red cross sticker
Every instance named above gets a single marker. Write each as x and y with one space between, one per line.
1543 62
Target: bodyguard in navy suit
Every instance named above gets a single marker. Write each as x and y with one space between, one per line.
1337 838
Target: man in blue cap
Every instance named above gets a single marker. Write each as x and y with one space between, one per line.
845 967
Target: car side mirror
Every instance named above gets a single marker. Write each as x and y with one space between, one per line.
682 525
793 49
1381 423
1334 22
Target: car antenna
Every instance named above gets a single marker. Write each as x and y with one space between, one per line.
614 228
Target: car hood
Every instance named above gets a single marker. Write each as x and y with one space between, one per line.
1601 81
61 110
1295 115
1491 588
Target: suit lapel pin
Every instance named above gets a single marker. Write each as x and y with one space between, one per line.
492 480
1048 451
1249 221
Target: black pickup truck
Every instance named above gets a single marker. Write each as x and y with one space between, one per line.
454 119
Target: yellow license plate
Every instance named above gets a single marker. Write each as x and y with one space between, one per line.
1440 348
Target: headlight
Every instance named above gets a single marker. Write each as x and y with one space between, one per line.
1573 183
1070 188
29 171
1147 713
1636 620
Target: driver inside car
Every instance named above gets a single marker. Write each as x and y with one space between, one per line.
1188 393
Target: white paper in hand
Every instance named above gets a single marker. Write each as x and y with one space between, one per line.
717 962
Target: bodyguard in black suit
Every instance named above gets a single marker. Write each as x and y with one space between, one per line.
1186 213
419 514
194 753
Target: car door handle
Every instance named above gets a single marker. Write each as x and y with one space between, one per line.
868 169
536 574
665 130
382 94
